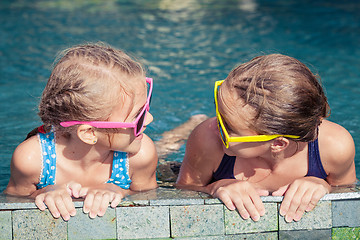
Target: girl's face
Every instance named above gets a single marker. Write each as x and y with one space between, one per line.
127 111
237 118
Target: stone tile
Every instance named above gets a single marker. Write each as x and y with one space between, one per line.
133 203
197 220
11 203
165 196
276 199
201 238
254 236
235 224
176 197
208 199
345 233
143 222
82 227
5 225
36 224
176 202
319 218
322 234
346 213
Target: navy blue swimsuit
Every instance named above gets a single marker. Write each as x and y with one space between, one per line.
316 169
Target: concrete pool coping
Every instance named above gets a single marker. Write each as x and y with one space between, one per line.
168 213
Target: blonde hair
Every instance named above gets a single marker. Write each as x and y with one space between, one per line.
86 83
286 96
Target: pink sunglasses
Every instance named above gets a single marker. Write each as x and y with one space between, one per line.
138 124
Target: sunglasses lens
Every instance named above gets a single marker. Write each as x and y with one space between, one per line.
140 123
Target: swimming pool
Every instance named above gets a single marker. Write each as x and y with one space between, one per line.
186 46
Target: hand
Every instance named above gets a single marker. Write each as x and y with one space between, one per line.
58 199
300 196
97 198
240 195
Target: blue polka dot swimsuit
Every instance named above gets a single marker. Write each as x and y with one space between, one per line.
119 173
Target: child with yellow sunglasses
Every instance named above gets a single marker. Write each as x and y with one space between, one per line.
269 136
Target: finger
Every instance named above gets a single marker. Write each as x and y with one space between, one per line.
74 189
88 202
94 209
39 202
258 204
241 208
262 192
104 204
116 200
50 203
225 198
83 192
303 205
69 205
281 191
254 207
285 205
295 203
60 205
317 195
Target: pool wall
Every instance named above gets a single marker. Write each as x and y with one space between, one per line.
167 213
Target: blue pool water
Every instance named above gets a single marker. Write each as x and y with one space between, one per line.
186 46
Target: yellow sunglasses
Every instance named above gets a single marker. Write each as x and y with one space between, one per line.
224 133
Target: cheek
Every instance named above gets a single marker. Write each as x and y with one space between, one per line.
247 150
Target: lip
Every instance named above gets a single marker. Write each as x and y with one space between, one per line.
140 136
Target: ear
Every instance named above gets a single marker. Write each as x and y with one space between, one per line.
279 144
86 133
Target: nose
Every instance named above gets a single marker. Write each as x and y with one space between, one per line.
149 118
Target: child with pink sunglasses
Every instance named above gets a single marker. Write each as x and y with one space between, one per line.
95 108
269 136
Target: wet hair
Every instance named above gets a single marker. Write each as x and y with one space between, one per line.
287 98
87 82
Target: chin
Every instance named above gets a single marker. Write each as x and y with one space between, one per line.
134 147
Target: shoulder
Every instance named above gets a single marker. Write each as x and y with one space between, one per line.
27 157
202 155
142 166
337 150
26 165
336 140
205 138
147 154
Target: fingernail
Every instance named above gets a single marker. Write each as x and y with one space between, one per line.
246 216
85 210
282 213
288 219
92 215
297 217
256 218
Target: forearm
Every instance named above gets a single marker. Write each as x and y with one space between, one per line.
194 187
